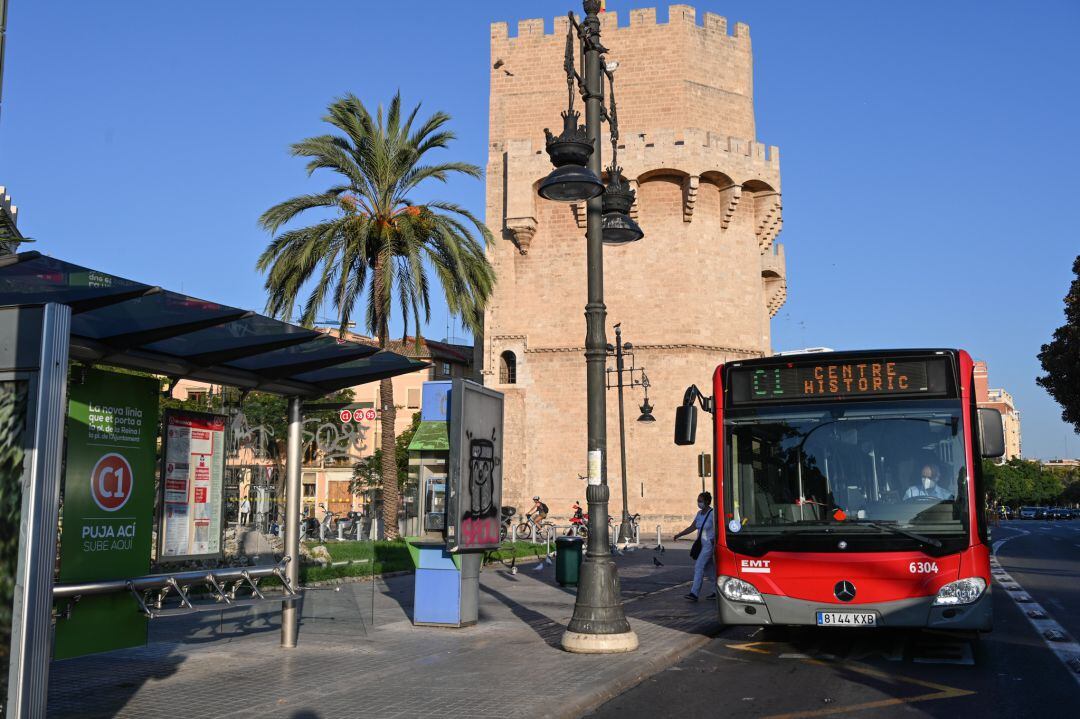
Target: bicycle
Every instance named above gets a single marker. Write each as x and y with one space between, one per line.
525 529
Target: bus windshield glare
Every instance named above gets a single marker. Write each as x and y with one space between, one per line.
880 476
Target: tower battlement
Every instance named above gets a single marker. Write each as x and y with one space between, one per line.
678 16
674 74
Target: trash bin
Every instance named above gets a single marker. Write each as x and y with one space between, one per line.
568 560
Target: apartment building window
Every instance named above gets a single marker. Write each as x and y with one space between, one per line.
414 398
308 481
446 369
508 368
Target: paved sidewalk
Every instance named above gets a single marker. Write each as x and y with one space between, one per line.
359 654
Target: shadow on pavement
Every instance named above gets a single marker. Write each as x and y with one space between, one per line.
546 628
72 681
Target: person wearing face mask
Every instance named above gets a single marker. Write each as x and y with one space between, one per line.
704 545
927 486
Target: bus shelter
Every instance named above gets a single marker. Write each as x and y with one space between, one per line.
53 312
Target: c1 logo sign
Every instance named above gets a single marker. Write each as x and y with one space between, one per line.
111 482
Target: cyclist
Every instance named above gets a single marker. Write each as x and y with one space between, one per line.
539 511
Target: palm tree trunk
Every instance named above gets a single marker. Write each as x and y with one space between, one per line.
387 415
390 497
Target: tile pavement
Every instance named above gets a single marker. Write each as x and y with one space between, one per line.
359 655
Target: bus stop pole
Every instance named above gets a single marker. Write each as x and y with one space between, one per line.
290 625
31 639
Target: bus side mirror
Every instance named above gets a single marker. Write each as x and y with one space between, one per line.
991 433
685 424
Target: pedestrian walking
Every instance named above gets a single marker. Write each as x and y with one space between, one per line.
245 512
704 545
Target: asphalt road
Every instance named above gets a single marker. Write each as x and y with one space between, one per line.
805 672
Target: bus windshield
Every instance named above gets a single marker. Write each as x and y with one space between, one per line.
888 476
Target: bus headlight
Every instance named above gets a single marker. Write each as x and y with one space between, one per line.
738 590
962 591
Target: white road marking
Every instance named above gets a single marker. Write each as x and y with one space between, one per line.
1068 652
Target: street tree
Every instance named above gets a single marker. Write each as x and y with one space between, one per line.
371 242
1048 488
1060 358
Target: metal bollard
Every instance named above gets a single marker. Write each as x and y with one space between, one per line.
322 532
340 532
659 541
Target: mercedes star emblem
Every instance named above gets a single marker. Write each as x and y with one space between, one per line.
844 591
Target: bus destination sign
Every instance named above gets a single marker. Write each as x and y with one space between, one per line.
846 379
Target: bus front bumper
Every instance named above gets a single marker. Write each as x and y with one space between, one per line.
917 612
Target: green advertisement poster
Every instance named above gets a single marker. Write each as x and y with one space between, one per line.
108 512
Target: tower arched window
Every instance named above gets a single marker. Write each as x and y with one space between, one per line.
508 368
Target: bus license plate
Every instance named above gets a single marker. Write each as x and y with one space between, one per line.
846 619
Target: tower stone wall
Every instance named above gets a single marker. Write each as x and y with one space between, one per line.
698 290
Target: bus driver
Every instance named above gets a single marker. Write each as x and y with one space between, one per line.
928 485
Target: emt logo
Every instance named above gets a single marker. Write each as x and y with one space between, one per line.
755 566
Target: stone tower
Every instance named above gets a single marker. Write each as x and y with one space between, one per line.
698 290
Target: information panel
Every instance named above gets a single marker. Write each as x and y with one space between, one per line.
476 446
192 482
847 379
108 508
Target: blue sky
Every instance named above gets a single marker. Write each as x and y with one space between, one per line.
929 149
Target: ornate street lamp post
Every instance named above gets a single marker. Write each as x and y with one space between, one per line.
599 624
620 350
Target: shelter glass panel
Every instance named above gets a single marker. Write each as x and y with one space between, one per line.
12 437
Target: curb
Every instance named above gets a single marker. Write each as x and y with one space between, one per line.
659 663
356 579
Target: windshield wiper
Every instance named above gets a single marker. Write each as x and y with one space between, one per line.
920 538
763 542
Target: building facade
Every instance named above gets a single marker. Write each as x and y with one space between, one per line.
697 291
332 446
1002 401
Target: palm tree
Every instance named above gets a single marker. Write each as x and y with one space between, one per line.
373 244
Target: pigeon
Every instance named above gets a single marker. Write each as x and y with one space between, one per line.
659 548
538 567
657 562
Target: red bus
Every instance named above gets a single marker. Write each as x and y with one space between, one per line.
849 489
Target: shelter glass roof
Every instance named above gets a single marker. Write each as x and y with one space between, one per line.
131 324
